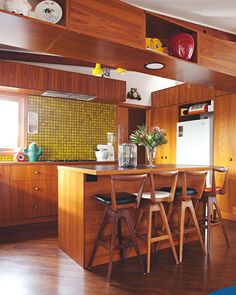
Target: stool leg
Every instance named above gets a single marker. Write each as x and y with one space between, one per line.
182 218
132 234
97 239
119 231
166 225
190 205
149 236
209 216
112 245
221 222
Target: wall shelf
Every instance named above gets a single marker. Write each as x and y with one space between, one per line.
34 3
190 117
156 27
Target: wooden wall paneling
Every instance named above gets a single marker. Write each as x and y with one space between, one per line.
166 118
225 148
137 117
122 123
184 93
217 54
110 20
4 193
71 214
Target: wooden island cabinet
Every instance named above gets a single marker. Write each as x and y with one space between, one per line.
80 215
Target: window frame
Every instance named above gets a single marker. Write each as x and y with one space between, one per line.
22 121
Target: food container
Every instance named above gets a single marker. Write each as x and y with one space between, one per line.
127 155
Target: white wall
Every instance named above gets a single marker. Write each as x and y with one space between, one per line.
144 83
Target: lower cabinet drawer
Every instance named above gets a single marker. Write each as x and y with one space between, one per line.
32 199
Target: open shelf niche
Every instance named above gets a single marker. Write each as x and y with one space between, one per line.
34 3
184 109
156 27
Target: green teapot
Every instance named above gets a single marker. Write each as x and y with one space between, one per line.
33 152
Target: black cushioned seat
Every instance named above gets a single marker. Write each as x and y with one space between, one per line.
121 198
178 192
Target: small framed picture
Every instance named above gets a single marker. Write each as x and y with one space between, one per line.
33 123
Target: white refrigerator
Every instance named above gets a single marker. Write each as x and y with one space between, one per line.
195 142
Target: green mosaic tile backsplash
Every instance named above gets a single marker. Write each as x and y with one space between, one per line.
70 129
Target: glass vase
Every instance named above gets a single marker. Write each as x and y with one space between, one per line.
151 155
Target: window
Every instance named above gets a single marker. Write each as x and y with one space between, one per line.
12 125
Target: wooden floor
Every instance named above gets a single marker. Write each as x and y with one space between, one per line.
31 264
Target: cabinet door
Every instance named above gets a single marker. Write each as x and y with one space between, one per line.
225 148
32 199
4 193
110 20
166 118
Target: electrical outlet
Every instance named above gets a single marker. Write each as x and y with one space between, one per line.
234 210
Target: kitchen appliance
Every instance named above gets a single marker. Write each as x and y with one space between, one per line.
195 142
106 152
127 155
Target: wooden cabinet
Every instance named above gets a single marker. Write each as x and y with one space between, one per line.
41 79
210 54
4 193
225 148
166 118
110 20
32 192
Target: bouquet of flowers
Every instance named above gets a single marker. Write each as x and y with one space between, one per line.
150 139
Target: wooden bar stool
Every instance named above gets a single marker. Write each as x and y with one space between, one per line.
153 202
186 201
210 199
184 197
117 205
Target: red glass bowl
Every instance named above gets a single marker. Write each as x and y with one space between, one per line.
181 45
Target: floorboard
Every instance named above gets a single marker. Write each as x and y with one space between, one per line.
32 264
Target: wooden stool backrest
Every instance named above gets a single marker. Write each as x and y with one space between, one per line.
172 175
140 180
223 171
200 178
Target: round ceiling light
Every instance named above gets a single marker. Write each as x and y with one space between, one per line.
154 66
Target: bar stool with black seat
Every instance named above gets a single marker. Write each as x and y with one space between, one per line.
152 202
184 197
210 199
117 205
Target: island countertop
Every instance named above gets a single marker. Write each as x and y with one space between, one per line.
115 169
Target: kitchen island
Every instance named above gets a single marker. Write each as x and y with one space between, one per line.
80 215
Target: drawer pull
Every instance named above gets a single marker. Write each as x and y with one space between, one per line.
36 172
165 157
35 206
36 188
230 159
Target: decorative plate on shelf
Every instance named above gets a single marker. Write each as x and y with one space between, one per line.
49 11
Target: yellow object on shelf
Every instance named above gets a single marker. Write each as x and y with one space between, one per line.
120 71
97 71
154 44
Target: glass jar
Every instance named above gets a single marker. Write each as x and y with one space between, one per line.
127 155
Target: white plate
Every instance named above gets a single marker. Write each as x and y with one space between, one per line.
49 11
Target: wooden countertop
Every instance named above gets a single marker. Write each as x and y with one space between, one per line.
49 162
115 169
